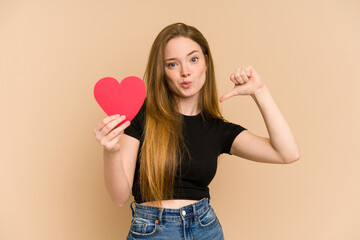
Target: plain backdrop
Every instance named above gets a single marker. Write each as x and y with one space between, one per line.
53 52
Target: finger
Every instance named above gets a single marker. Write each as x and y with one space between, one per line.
239 78
113 124
117 131
105 121
233 79
104 140
238 70
243 76
227 95
248 70
101 133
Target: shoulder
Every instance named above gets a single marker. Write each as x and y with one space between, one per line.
137 125
142 111
223 131
140 116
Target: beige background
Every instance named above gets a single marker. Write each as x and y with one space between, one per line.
53 52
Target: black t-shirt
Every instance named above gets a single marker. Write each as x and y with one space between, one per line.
205 141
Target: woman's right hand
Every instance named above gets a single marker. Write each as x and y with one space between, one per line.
108 133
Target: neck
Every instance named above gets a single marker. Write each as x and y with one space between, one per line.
189 106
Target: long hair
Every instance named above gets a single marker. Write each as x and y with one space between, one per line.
163 145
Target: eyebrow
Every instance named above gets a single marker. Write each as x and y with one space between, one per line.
169 59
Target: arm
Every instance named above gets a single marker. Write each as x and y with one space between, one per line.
120 152
119 169
281 146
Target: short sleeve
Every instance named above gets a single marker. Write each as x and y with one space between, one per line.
230 132
136 127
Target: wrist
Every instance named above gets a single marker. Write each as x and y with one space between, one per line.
258 93
111 152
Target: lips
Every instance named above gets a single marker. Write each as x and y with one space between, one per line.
186 84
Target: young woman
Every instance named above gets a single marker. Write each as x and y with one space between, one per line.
167 157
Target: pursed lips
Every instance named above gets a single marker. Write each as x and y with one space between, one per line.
186 83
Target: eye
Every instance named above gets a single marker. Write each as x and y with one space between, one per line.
171 65
194 59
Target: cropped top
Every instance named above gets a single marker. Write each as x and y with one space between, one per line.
205 140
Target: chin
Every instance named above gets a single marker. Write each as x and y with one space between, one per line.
188 95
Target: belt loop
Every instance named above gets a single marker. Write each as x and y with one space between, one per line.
194 209
160 215
132 209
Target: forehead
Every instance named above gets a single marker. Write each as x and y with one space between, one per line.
180 46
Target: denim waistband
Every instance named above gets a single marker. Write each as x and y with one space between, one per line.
169 214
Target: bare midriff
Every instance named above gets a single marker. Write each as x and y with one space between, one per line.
173 204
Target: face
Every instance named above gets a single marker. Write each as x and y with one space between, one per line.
185 67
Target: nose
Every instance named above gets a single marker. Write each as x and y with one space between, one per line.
185 71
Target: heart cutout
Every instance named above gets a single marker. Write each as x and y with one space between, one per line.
125 98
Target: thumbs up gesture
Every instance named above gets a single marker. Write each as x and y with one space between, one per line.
246 81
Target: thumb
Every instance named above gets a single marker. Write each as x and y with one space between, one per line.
227 95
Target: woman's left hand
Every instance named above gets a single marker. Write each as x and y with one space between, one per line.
246 81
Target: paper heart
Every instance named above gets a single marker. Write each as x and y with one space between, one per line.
125 98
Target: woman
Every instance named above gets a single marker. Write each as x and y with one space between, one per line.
167 157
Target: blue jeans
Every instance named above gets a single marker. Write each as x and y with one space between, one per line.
196 221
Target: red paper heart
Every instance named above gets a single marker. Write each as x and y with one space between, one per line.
125 98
